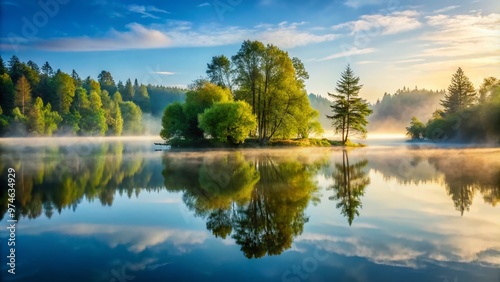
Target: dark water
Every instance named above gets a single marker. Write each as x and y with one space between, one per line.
118 211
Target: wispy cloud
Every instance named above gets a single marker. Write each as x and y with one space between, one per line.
462 35
446 9
395 22
165 72
359 3
182 34
146 11
206 4
347 53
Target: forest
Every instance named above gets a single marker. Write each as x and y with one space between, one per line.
467 115
38 101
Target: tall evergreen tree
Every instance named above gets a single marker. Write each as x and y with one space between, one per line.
47 70
106 81
23 95
349 110
129 93
461 93
76 78
3 68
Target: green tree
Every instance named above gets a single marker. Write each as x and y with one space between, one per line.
202 96
93 120
349 110
106 81
416 130
3 68
7 97
273 83
141 99
76 79
219 71
488 88
461 93
173 122
36 121
4 122
228 121
23 95
132 118
64 92
129 93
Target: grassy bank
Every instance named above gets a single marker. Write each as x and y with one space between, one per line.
254 143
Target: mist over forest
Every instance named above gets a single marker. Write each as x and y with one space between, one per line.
391 112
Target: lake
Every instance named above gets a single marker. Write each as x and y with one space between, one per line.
114 210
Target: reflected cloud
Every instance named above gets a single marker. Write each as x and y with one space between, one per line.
136 238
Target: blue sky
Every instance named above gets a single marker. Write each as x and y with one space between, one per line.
389 43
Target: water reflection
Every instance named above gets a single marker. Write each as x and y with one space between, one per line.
53 178
350 181
463 173
259 200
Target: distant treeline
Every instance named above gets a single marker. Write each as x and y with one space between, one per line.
468 114
392 112
42 102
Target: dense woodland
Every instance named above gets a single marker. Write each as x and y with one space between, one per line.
468 115
38 101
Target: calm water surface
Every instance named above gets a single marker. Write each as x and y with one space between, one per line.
114 210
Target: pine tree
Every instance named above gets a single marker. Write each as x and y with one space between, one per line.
349 110
23 95
461 93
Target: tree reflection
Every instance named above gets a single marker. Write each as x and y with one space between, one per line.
463 173
258 201
349 186
50 179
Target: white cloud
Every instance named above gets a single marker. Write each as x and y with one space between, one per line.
146 11
446 9
206 4
136 239
347 53
182 34
165 72
472 36
395 22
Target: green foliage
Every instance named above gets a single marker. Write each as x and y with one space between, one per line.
228 121
173 122
416 130
106 81
202 96
273 84
219 71
23 95
141 99
7 96
132 118
162 96
461 93
64 92
349 110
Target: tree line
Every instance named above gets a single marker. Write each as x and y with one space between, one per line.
259 92
468 115
41 102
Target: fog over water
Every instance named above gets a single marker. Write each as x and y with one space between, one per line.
390 211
